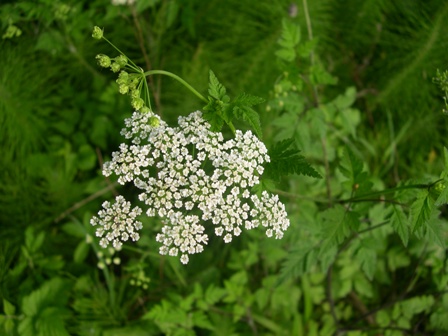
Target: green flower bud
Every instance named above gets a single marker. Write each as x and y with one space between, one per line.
115 67
154 121
123 78
121 60
103 60
135 93
133 83
439 187
137 103
145 109
123 89
97 33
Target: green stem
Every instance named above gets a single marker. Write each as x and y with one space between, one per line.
132 64
180 80
390 191
147 95
232 128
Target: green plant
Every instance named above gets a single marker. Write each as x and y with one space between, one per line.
347 86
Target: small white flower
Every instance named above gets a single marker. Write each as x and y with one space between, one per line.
228 238
184 259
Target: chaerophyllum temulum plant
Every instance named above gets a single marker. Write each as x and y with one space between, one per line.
189 175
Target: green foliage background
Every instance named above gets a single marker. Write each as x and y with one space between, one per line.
366 250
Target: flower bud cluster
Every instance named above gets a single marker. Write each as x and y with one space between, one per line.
193 179
129 83
115 64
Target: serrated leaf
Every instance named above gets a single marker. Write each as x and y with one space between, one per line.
307 47
443 197
421 210
326 258
363 286
416 305
337 224
351 167
213 115
399 223
286 54
290 34
201 320
216 89
213 294
247 100
436 229
297 262
367 259
285 161
51 322
250 116
52 292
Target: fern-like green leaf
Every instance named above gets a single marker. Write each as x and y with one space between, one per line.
216 89
337 224
288 41
443 196
399 223
250 116
298 261
351 167
367 258
213 294
436 229
421 210
286 160
247 100
213 114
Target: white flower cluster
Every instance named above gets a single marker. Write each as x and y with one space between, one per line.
190 176
117 223
123 2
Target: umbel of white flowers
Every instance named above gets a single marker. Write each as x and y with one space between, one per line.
191 178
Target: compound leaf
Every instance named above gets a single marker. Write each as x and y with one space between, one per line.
286 160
